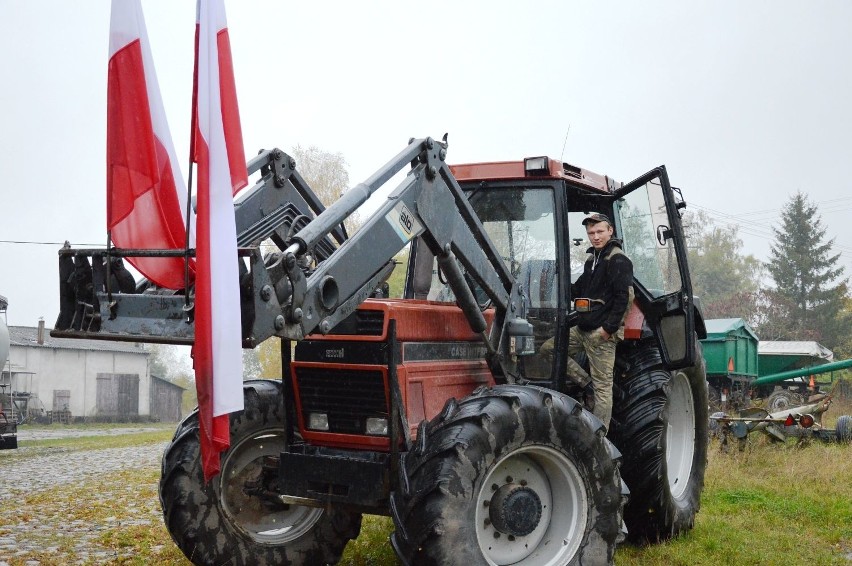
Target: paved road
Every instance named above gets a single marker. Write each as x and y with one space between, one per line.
30 471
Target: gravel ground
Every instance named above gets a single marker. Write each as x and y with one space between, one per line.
30 471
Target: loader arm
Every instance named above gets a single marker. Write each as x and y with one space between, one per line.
428 203
318 276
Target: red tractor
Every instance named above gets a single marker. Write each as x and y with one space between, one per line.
438 408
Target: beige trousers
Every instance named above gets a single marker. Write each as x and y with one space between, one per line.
601 354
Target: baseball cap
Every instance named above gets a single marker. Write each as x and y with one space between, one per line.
596 217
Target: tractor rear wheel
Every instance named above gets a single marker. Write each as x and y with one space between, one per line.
218 522
660 424
510 475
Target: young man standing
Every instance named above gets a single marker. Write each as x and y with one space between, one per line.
602 295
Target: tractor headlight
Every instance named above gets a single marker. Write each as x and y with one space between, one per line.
318 421
376 426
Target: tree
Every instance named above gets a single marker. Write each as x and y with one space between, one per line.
326 174
843 348
807 276
396 280
252 368
722 276
158 360
169 362
771 319
190 396
269 358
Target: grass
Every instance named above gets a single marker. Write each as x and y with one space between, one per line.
769 504
163 432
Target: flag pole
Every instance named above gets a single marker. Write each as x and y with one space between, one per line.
108 266
187 305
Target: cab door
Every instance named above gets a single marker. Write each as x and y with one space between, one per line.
647 215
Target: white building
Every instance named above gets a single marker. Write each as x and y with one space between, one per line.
90 378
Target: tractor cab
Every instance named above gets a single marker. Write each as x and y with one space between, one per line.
533 210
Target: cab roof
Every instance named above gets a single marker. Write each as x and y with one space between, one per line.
539 167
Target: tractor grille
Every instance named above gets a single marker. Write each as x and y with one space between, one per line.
361 323
347 396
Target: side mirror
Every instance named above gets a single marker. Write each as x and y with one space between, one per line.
521 337
681 203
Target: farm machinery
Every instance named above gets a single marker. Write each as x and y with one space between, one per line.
786 389
8 422
743 371
793 410
437 409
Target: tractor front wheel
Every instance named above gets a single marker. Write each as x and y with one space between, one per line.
510 475
223 522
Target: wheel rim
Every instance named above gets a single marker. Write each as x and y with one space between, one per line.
680 435
558 530
265 522
780 401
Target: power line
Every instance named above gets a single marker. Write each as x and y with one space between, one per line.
773 211
762 231
759 229
34 243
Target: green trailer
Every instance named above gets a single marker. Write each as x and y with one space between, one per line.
792 371
731 356
776 356
740 366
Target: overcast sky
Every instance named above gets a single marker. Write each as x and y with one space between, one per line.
745 102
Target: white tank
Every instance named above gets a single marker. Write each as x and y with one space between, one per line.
4 333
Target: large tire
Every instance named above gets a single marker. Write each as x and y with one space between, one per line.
218 523
511 475
783 399
843 429
660 424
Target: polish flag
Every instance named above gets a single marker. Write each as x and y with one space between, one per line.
146 194
217 148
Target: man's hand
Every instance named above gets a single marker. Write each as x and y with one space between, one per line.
604 334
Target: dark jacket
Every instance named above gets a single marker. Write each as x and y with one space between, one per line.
606 276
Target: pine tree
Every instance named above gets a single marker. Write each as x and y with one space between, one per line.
807 276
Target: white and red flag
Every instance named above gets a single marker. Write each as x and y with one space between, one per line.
146 194
217 149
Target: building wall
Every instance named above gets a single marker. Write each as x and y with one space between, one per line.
166 401
76 371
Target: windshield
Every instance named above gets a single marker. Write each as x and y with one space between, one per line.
520 223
